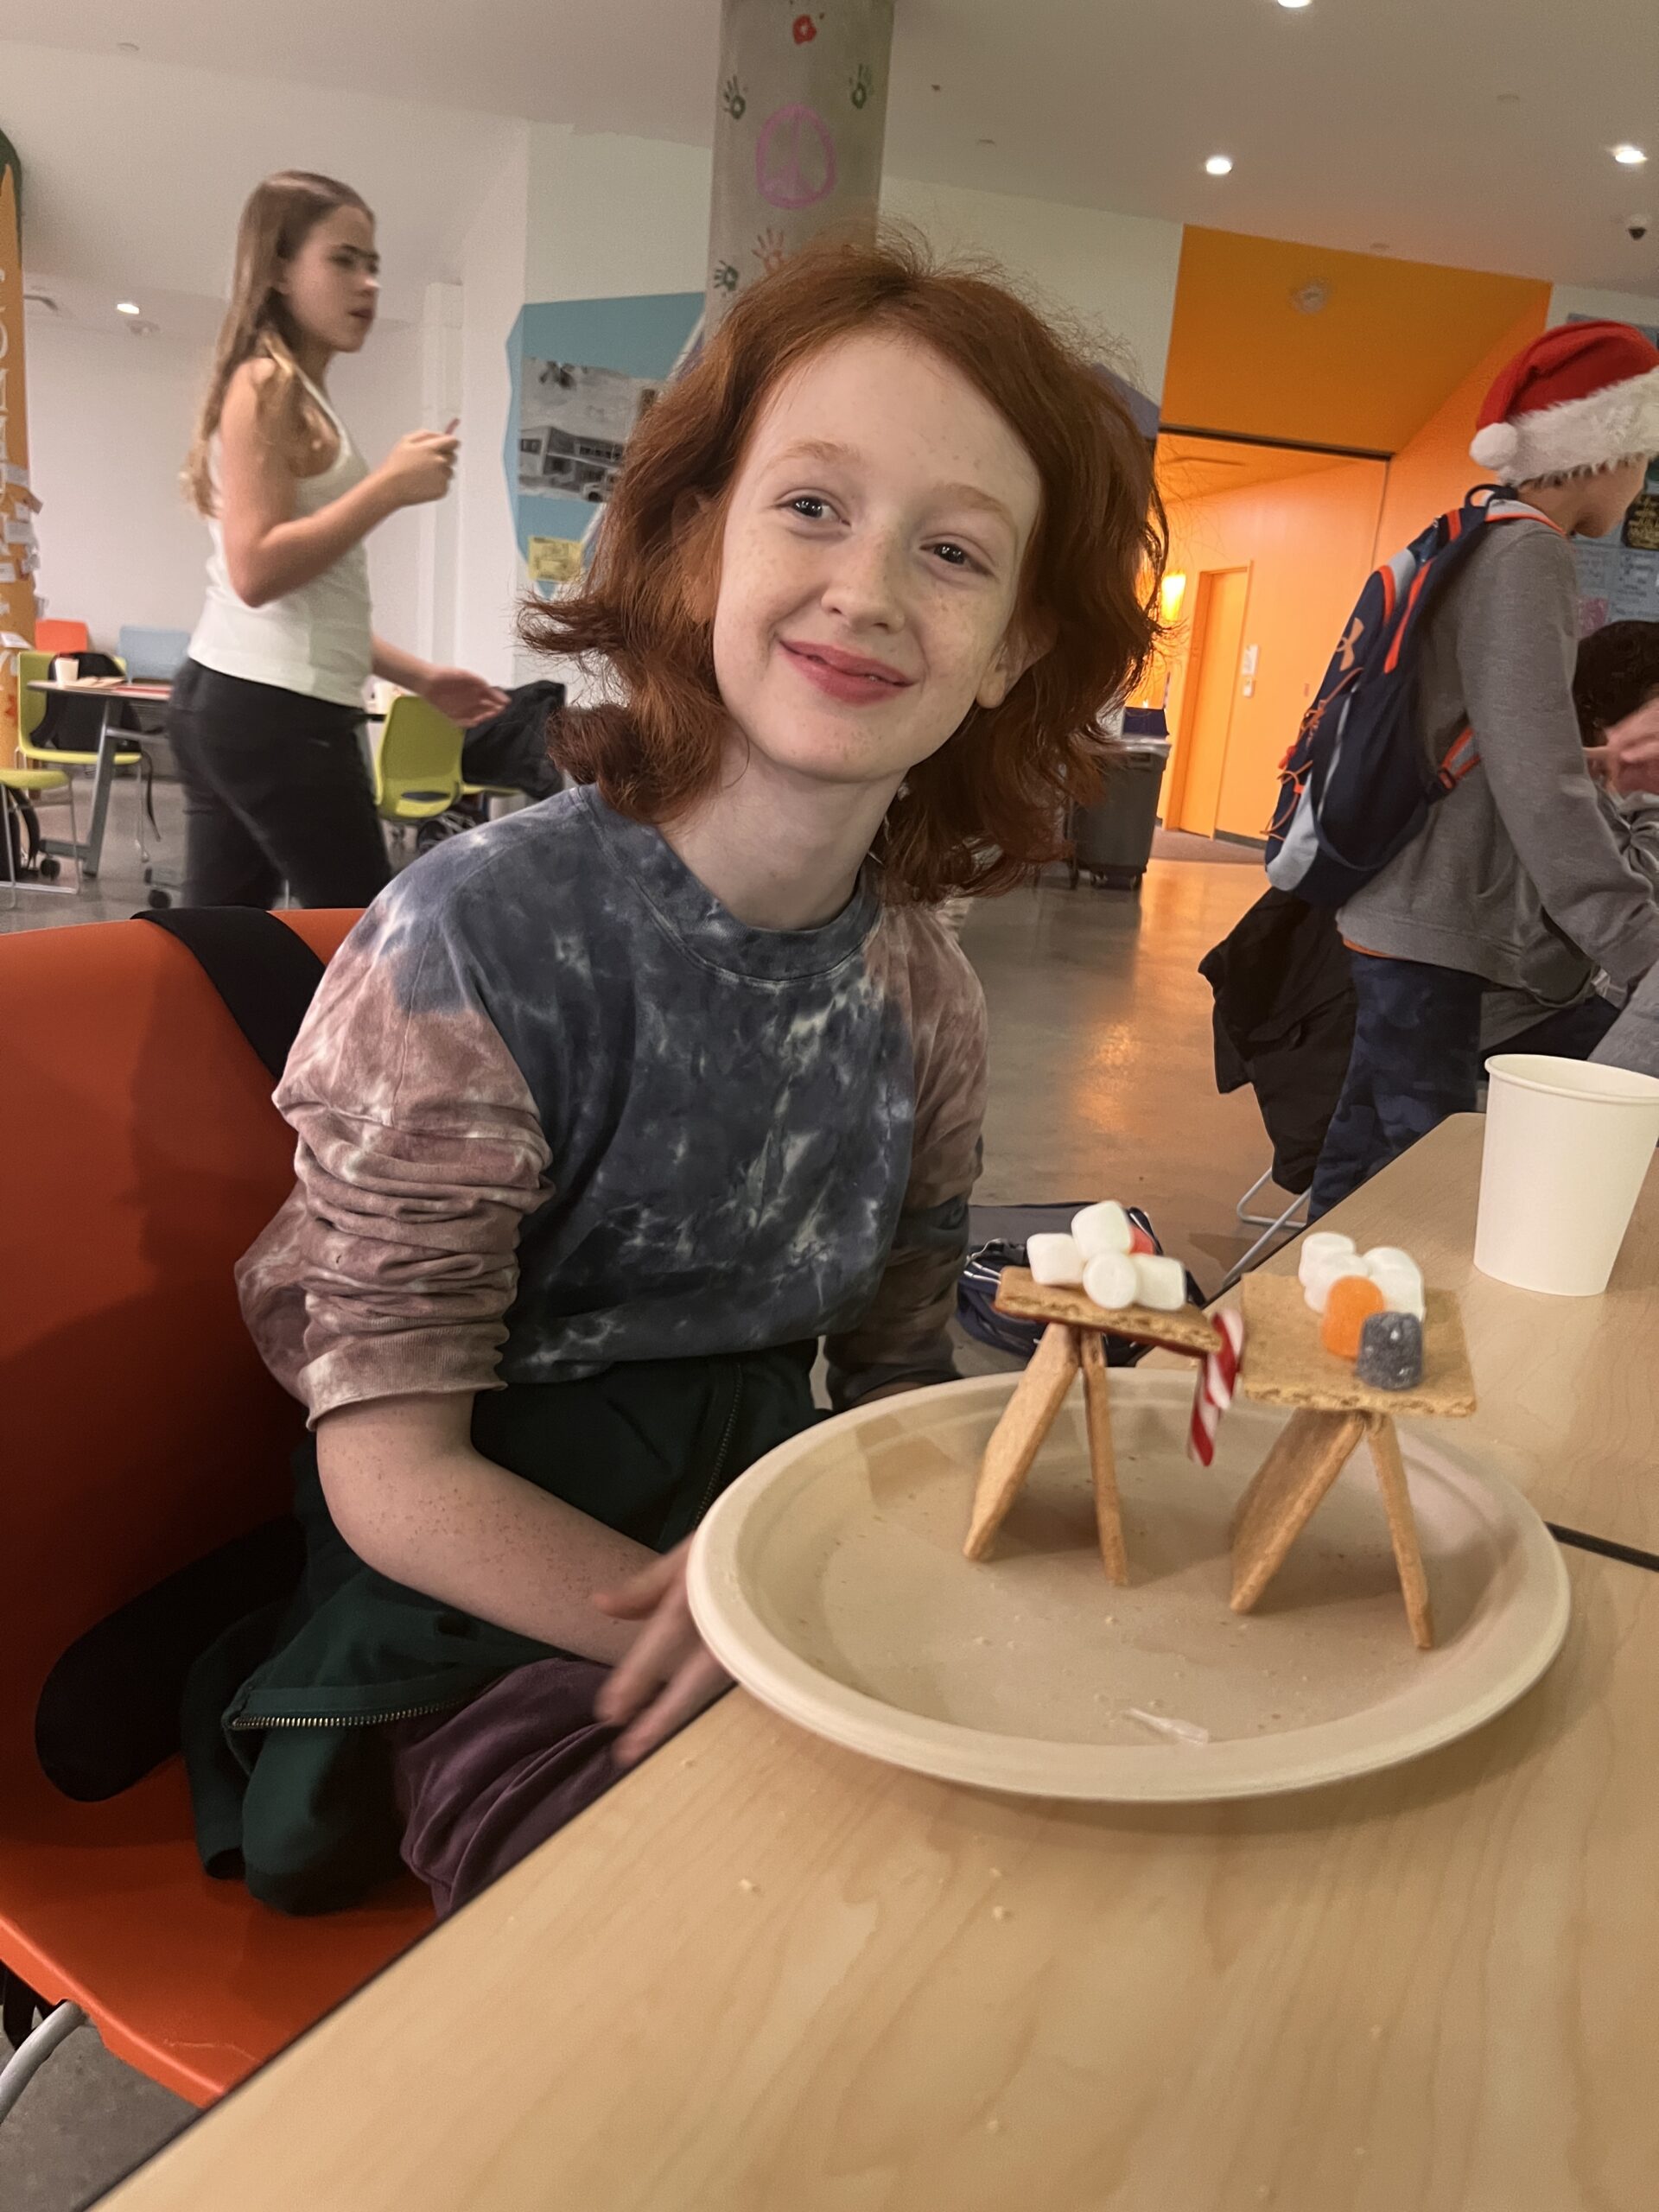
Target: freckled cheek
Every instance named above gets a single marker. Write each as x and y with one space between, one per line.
762 586
961 643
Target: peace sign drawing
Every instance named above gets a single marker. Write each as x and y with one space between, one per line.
795 158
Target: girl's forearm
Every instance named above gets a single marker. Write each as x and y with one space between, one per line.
450 1522
393 666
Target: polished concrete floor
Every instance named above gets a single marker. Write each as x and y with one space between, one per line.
1102 1085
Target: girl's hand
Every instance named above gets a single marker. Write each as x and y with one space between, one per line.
465 698
419 466
1628 761
669 1672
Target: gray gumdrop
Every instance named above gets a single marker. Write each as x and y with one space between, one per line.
1390 1351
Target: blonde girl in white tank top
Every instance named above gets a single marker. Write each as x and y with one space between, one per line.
265 710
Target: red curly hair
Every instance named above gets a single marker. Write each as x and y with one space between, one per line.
989 807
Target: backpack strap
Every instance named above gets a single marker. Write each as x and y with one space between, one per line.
265 972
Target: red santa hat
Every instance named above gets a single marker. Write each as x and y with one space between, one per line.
1582 397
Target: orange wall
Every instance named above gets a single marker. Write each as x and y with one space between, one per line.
1369 369
1307 540
1433 471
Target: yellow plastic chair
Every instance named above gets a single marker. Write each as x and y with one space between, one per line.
36 668
18 786
417 771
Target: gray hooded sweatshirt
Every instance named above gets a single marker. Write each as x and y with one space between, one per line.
1517 875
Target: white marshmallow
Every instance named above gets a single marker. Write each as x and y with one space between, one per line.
1399 1278
1104 1228
1054 1259
1160 1283
1319 1250
1320 1277
1110 1280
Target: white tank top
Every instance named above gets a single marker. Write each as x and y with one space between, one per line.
315 639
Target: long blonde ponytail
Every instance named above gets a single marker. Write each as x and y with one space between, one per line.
280 215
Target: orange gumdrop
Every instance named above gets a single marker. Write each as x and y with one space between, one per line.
1351 1301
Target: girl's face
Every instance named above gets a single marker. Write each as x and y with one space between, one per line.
870 564
332 283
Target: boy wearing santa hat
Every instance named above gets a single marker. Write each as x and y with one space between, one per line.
1517 864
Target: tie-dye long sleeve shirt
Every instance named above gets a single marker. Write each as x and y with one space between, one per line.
557 1109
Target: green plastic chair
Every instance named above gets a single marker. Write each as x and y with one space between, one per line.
36 668
417 771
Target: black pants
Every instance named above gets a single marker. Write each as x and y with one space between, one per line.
1417 1060
276 791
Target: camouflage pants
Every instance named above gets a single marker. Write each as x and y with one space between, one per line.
1416 1059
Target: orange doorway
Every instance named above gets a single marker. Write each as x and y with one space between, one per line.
1212 686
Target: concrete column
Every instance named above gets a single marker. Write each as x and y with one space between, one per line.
802 112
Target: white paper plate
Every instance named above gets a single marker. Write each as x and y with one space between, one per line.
829 1580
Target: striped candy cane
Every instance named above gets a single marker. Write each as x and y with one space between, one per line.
1217 1378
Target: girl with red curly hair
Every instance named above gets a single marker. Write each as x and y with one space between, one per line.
609 1113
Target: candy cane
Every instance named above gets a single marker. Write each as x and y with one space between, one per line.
1217 1377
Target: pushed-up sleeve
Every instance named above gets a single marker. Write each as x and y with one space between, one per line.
901 1339
420 1151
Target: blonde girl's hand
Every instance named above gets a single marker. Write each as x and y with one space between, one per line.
465 698
669 1673
1628 759
419 468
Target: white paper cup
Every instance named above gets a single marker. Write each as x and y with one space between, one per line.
1567 1146
65 668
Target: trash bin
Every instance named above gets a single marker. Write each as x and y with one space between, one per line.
1111 840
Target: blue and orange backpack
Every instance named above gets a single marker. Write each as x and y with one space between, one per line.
1352 790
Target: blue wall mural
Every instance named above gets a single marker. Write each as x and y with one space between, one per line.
582 369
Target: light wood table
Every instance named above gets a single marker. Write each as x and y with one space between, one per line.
764 1975
1568 1386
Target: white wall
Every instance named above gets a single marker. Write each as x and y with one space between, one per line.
489 573
378 394
1568 300
1116 274
109 426
612 216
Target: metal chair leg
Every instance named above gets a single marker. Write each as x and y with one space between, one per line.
1286 1220
32 2052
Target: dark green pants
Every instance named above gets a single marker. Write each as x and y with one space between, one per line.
287 1718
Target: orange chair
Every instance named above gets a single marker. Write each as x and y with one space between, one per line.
55 637
140 1432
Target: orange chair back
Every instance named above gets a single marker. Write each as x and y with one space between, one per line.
139 1156
54 636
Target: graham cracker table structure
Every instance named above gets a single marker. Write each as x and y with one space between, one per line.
1286 1364
1071 1340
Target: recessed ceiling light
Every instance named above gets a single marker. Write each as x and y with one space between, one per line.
1219 165
1295 4
128 307
126 46
1629 157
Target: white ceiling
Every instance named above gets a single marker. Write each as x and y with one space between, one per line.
1361 123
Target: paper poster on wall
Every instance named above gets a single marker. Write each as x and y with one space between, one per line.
1619 575
583 372
554 560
